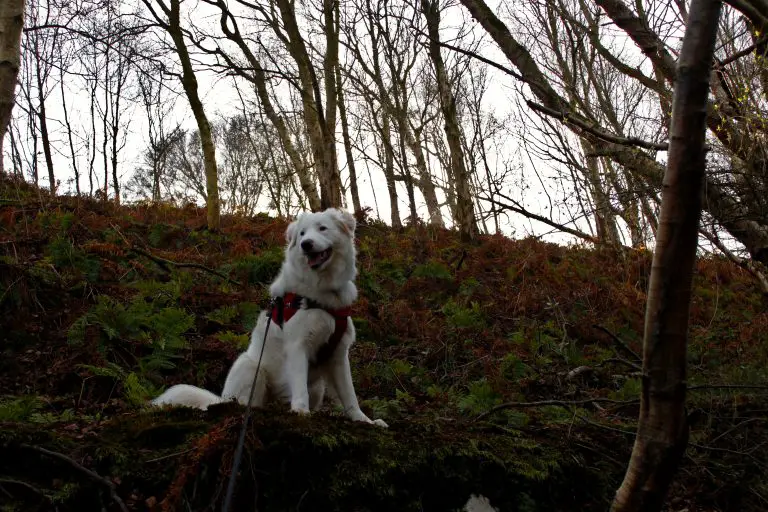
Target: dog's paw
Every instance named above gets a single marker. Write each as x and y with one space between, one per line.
380 423
302 411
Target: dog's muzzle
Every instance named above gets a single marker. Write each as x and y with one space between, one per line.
316 259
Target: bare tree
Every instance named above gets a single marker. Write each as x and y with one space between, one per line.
11 25
40 46
662 432
169 18
347 142
161 136
69 127
242 171
115 87
384 71
465 217
256 74
320 121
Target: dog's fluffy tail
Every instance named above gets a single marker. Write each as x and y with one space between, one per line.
191 396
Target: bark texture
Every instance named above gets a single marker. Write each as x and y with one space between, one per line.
189 83
11 25
465 216
662 433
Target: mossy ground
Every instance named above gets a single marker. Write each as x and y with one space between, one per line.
95 320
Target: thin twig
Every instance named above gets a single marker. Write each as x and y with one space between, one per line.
754 267
701 387
735 427
169 456
606 427
26 485
619 343
95 476
165 262
576 120
743 53
560 403
623 361
726 450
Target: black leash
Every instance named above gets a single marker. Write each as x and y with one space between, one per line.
276 303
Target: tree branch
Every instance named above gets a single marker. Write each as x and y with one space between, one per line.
162 262
619 343
575 120
95 476
559 403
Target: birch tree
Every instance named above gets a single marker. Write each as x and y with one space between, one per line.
11 25
465 216
168 17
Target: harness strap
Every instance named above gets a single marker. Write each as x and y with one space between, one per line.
285 307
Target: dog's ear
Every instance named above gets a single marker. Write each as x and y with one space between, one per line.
345 220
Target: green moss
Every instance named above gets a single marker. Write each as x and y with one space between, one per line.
323 461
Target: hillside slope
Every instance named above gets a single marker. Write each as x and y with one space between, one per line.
101 307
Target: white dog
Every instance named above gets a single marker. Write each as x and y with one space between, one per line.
307 345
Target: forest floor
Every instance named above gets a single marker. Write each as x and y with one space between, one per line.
103 306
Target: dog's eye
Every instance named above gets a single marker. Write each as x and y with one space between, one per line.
301 234
322 228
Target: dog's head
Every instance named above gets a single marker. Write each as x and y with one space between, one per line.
316 239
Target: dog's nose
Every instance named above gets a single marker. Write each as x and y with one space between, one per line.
307 245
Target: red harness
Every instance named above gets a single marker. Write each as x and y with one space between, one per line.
285 307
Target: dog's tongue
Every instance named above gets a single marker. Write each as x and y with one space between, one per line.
315 258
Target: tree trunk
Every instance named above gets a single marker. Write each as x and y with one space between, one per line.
322 136
11 25
465 217
92 141
389 165
408 178
306 180
330 65
42 117
427 186
347 145
189 82
70 133
605 220
662 432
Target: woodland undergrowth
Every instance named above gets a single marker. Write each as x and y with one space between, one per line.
507 367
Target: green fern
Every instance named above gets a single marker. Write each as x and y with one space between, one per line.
463 317
479 398
137 390
240 341
433 270
166 327
19 408
513 368
65 256
630 390
257 268
249 315
224 315
110 370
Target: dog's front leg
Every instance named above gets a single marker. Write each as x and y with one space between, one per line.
296 372
341 378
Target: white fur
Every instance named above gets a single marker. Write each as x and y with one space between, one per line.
287 370
479 504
